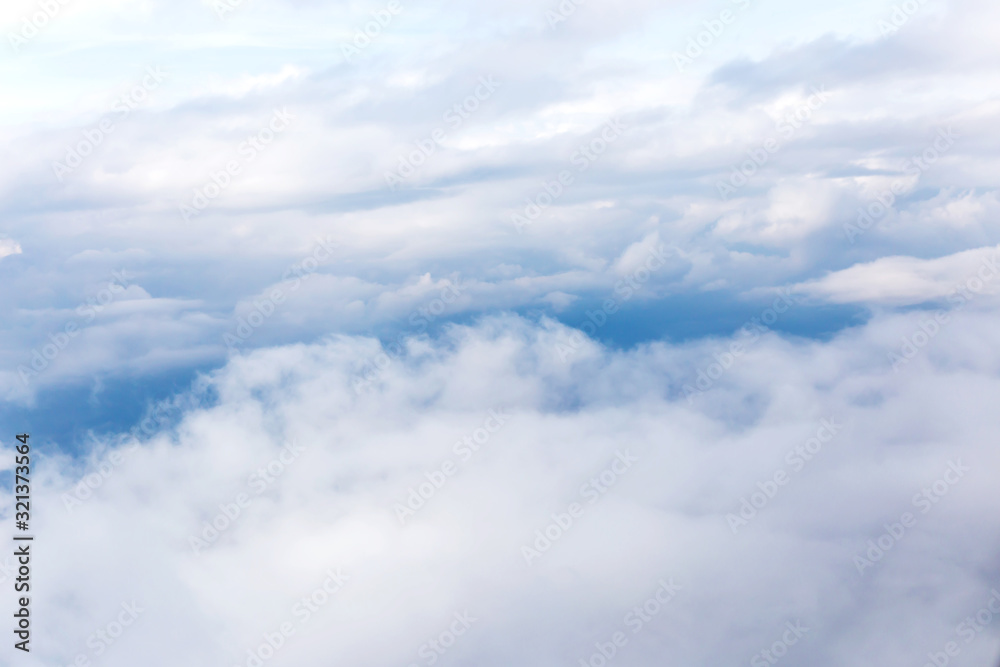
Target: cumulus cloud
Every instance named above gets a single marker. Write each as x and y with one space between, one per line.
480 476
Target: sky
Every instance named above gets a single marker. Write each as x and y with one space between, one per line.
538 333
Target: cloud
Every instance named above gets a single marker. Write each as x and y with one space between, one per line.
325 175
904 281
486 437
9 247
677 442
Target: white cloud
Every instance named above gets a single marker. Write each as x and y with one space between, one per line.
9 247
910 280
449 226
663 517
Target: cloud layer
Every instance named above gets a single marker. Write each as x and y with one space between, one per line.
431 494
756 162
521 333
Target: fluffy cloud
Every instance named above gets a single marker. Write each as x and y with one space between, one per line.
910 280
687 132
236 214
9 247
323 484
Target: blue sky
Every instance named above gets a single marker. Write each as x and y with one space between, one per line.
693 230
